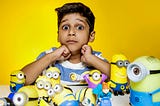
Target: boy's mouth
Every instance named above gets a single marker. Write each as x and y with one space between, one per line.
71 41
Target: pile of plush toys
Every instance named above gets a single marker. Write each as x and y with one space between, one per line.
144 86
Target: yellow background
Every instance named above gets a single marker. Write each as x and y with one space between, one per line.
28 27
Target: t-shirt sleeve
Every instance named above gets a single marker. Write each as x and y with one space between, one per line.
99 55
45 52
41 55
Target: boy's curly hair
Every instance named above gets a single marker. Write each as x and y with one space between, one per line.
76 7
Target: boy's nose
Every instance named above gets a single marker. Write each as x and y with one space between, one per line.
72 32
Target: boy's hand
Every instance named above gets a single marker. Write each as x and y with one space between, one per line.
62 53
86 53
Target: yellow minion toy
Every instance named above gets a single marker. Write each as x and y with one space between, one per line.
118 80
86 97
6 102
54 74
94 77
17 80
26 96
62 96
42 85
144 75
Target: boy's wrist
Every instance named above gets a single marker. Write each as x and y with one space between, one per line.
52 57
90 59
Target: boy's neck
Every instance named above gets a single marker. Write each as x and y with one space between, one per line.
75 58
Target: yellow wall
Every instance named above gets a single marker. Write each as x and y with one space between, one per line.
28 27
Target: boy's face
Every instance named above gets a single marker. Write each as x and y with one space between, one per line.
74 32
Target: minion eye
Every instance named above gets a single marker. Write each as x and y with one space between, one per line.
40 84
3 102
55 75
20 76
19 99
86 102
126 63
136 72
49 74
58 88
47 85
120 64
51 92
96 76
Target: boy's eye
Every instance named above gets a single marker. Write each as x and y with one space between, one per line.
80 27
65 27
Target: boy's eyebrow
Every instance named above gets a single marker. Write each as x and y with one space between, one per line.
76 19
63 20
82 21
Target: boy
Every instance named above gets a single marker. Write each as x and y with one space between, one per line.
75 30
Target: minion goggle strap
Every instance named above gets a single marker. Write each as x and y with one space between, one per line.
20 76
68 88
121 63
92 75
154 71
137 71
5 102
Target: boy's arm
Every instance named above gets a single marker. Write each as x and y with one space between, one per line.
95 61
99 64
34 69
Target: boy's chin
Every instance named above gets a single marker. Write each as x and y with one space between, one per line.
75 50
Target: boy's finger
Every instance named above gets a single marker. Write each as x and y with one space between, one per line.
66 57
83 51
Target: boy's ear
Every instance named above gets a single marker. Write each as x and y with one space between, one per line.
92 36
58 36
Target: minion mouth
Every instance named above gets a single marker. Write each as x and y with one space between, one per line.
120 75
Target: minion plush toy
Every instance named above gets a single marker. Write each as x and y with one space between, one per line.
85 96
94 77
144 75
119 81
6 102
17 80
26 96
62 96
42 85
54 74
